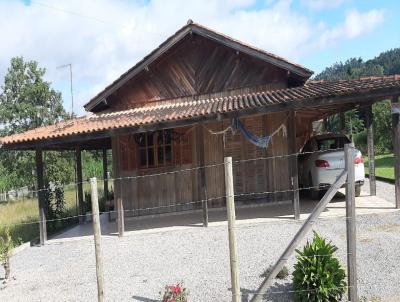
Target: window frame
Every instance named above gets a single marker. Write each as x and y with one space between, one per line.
155 148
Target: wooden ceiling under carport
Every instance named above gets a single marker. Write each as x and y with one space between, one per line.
318 113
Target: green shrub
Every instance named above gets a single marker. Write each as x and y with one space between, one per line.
6 246
318 275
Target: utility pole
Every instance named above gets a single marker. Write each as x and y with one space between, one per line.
70 77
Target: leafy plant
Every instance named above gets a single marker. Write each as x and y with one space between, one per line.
6 246
55 203
318 275
88 201
175 293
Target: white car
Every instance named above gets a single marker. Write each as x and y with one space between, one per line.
322 160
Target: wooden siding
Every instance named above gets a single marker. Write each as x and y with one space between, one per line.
165 193
195 66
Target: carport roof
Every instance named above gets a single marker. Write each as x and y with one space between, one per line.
313 96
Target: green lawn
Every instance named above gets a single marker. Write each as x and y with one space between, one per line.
384 166
19 214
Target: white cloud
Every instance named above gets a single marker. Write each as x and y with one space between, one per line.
355 25
101 51
322 4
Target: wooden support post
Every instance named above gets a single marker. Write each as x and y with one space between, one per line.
105 176
202 177
342 122
396 146
293 164
301 233
351 223
371 151
79 186
41 196
230 207
118 190
325 124
121 217
205 209
97 239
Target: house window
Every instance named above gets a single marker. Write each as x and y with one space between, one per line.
155 148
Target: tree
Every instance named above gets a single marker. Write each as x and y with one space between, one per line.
27 101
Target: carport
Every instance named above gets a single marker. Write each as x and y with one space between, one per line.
302 105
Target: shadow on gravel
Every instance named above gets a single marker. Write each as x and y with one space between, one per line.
144 299
279 292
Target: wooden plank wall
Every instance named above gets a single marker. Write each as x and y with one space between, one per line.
195 66
153 194
263 175
169 191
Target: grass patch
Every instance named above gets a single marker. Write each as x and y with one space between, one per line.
20 214
384 166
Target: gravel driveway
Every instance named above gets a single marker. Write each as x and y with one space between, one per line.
137 267
383 190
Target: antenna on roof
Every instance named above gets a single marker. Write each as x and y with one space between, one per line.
70 77
189 21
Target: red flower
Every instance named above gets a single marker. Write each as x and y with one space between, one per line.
177 290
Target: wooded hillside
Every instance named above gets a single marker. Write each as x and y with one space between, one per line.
387 63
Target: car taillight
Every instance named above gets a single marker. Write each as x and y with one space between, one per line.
358 160
320 163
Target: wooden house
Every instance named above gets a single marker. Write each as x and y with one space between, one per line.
173 111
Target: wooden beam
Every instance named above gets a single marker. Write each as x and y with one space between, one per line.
79 186
119 189
41 196
105 175
97 239
396 146
202 172
371 149
231 216
351 222
293 164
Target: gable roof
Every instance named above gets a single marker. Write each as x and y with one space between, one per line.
203 31
189 110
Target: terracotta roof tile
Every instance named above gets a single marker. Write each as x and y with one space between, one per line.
185 109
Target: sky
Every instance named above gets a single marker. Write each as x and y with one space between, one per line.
104 38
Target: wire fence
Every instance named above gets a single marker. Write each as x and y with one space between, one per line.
175 205
181 205
195 168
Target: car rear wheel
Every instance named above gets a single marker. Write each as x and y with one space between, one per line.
358 190
314 192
